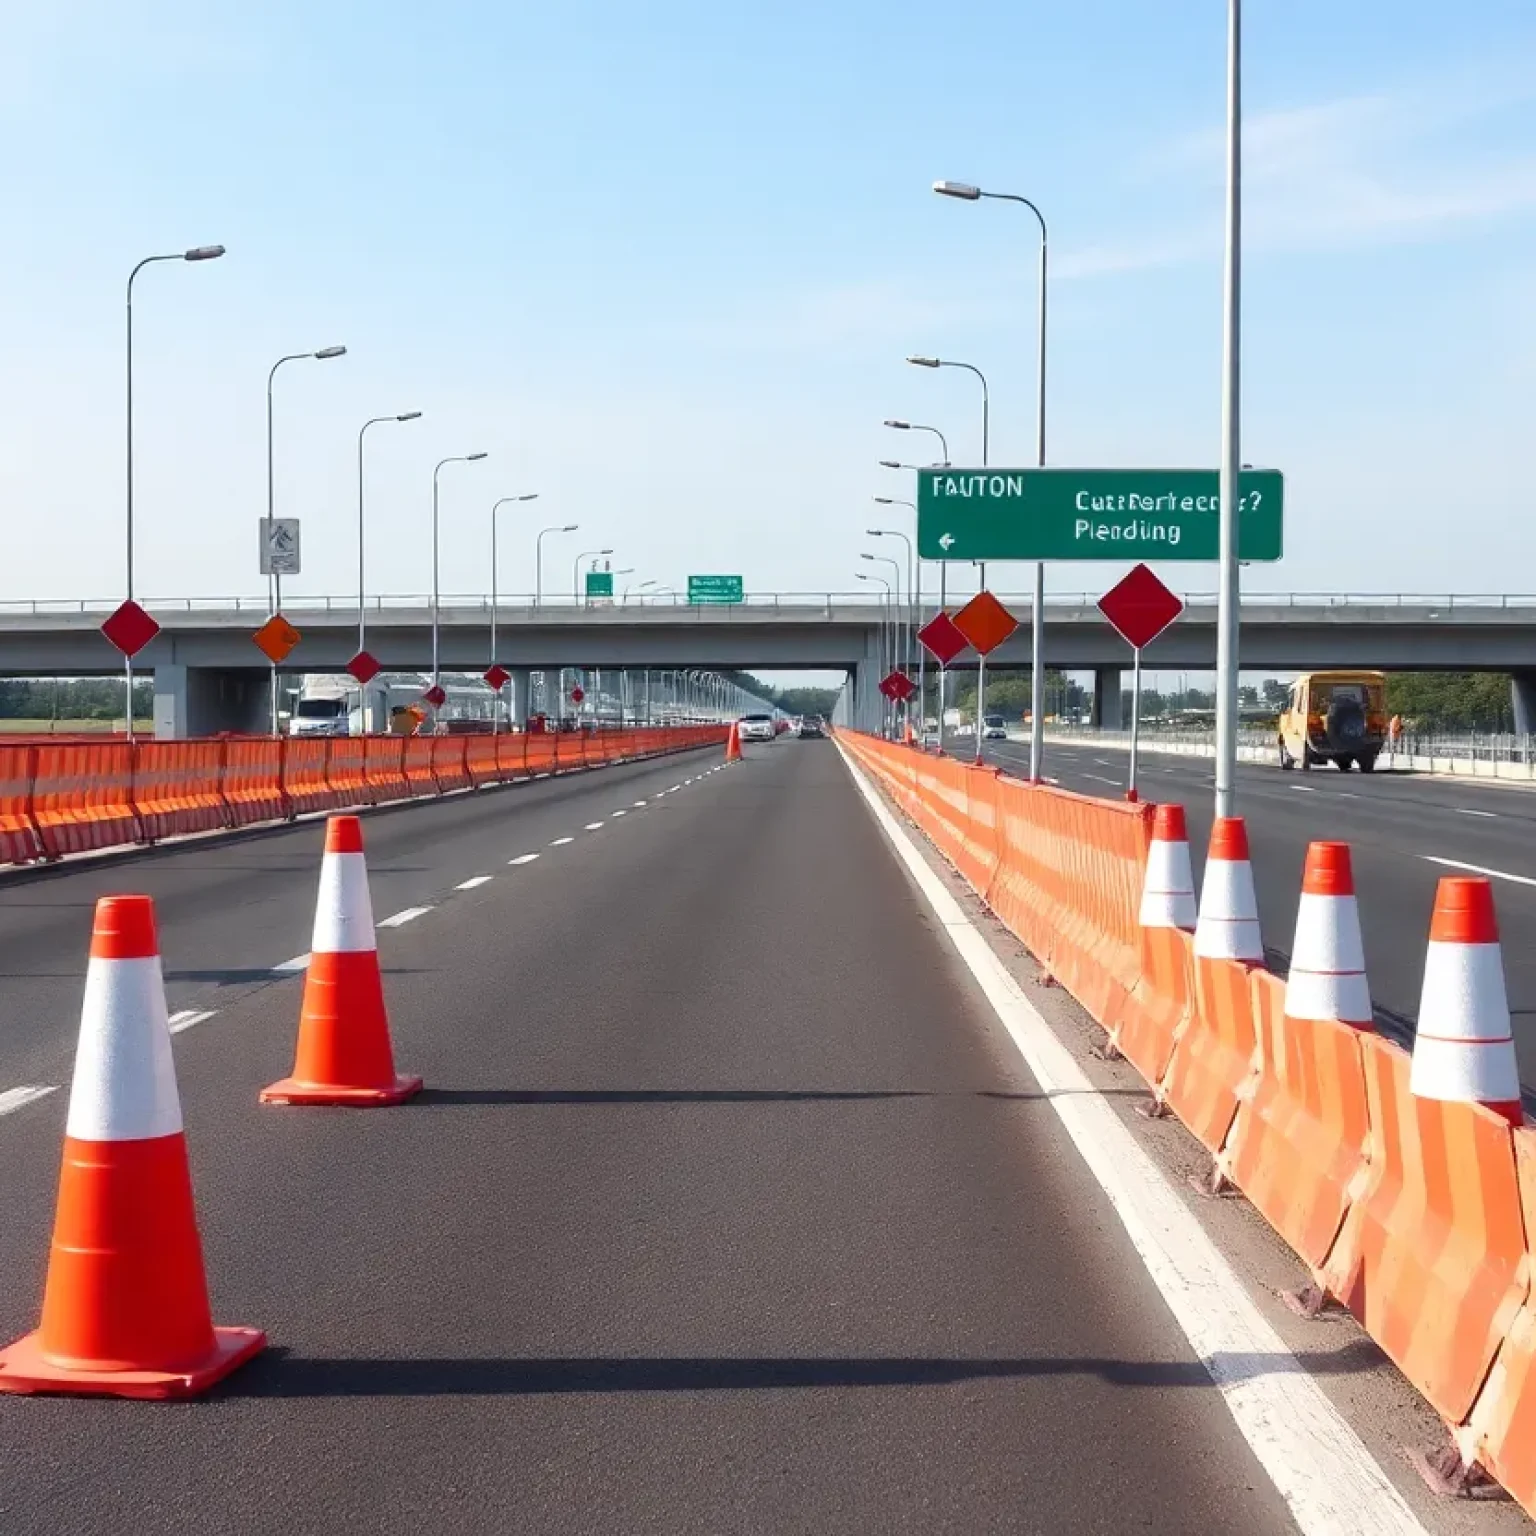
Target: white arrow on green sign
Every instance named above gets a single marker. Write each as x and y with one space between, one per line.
1093 514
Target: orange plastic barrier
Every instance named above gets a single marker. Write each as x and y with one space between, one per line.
252 784
448 763
1213 1058
384 764
1158 1008
418 765
82 798
19 841
512 755
305 785
176 787
1432 1257
1505 1415
346 770
1299 1142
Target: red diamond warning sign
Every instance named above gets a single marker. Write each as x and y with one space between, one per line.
941 639
435 696
364 667
578 693
130 629
985 623
1140 607
897 686
497 676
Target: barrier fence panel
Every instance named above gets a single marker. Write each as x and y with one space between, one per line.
384 764
418 765
252 784
448 763
19 841
82 798
1213 1057
480 760
305 786
346 770
176 787
513 753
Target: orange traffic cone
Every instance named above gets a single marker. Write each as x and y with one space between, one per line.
733 744
1464 1051
1168 887
125 1305
1327 975
1228 924
344 1053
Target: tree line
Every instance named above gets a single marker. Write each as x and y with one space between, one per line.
80 698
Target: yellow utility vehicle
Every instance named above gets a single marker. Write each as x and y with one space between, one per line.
1337 717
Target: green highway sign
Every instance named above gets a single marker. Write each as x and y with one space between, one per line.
714 589
599 583
1092 514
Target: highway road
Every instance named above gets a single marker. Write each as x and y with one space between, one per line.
1405 831
728 1207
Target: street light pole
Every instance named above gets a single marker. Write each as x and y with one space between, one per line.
1228 612
538 560
362 589
458 458
195 253
915 426
496 507
275 590
885 604
1037 618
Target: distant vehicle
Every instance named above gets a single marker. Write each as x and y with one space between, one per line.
756 728
993 729
1337 717
321 708
809 726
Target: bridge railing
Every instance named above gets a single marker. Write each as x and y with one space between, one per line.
1433 603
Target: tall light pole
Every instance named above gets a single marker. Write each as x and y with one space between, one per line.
538 560
1228 612
458 458
917 426
970 194
912 596
884 626
275 592
591 554
362 588
495 508
196 253
896 631
641 588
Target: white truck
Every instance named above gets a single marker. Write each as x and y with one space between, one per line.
321 708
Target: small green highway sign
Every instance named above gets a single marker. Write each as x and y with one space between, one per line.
599 583
714 589
1093 514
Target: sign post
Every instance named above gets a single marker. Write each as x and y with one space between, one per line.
985 623
1139 608
279 558
715 589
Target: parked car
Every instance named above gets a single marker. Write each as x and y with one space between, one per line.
756 728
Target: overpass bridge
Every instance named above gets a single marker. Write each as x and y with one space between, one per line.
210 676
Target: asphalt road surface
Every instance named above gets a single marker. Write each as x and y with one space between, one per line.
1398 826
728 1207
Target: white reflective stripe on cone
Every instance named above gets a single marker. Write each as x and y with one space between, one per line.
124 1086
343 912
1463 996
1465 1071
1328 934
1168 891
1228 925
1341 995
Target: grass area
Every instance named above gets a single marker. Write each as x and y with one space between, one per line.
68 727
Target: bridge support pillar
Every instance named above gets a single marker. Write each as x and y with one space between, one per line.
1522 694
1107 714
520 699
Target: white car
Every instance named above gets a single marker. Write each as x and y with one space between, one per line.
993 729
756 728
319 717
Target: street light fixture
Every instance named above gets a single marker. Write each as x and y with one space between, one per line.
970 194
458 458
275 591
917 426
495 508
195 253
362 598
538 559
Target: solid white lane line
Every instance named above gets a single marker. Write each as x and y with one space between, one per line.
400 919
1462 810
13 1098
473 882
189 1017
1479 869
298 963
592 826
560 842
523 858
1319 1465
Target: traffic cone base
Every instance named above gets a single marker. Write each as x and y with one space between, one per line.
292 1090
24 1368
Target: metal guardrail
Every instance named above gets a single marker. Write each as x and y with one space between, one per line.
1433 605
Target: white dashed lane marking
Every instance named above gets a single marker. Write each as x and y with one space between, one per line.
618 813
1478 869
592 826
1462 810
473 882
523 858
400 919
188 1017
560 842
15 1098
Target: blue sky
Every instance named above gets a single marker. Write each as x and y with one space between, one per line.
663 263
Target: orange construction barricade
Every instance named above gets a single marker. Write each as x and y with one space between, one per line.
384 762
346 770
19 841
512 753
82 798
176 787
252 783
480 760
448 764
304 782
418 766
